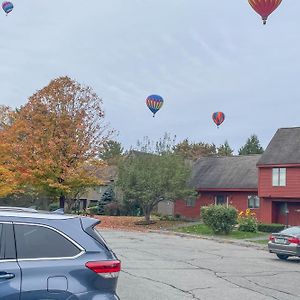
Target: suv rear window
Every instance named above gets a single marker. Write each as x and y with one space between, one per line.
35 241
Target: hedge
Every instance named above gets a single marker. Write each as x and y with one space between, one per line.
270 227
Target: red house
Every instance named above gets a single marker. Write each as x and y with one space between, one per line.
222 180
279 178
268 184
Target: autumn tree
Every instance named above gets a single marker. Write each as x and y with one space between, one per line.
225 149
252 146
8 180
193 151
56 137
148 178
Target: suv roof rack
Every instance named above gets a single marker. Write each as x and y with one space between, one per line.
18 209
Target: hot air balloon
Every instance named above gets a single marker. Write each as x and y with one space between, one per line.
7 7
264 7
218 117
154 103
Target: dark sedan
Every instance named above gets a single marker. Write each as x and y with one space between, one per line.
286 243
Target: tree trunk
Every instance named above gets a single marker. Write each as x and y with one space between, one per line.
62 200
147 217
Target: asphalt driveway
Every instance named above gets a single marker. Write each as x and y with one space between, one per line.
161 267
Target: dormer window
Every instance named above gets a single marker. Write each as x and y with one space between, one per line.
279 177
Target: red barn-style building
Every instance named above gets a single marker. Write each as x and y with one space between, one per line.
279 178
268 184
222 180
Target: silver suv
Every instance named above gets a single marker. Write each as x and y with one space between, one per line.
51 256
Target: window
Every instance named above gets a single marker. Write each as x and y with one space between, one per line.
7 242
253 201
221 200
190 202
41 242
1 243
279 177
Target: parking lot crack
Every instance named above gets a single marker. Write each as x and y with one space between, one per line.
269 288
164 283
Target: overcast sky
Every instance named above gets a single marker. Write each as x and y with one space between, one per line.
200 56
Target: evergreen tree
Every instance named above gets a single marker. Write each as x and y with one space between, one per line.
252 146
225 150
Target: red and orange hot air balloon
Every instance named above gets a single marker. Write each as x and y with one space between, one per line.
218 117
264 7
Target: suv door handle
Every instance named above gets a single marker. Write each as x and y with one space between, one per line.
7 276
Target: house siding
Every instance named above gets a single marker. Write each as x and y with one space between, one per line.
237 199
291 190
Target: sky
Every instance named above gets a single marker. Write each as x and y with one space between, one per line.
200 56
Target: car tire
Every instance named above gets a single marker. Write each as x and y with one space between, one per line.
282 256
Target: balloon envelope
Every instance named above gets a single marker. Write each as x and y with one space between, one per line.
7 7
218 117
264 7
154 103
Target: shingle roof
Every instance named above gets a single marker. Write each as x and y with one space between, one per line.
234 172
284 148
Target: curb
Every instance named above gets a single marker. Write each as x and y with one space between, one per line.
212 238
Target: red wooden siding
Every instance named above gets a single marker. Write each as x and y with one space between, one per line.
291 190
237 199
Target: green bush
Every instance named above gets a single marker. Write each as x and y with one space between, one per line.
93 210
168 218
53 206
270 227
221 219
247 221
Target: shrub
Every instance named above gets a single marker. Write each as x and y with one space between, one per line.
247 221
219 218
270 227
112 209
93 210
53 206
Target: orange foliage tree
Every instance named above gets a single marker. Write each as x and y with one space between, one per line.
55 139
8 183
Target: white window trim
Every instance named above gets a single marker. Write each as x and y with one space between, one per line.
278 178
227 199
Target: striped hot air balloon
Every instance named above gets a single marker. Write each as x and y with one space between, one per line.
218 117
154 103
264 7
7 7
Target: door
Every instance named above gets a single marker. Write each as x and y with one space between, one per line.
10 274
47 260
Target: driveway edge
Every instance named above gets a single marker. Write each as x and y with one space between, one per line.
212 238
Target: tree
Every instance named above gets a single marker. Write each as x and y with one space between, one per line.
151 178
111 152
8 180
225 150
252 146
107 197
194 151
56 137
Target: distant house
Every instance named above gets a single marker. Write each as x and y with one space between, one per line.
279 178
222 180
268 184
92 196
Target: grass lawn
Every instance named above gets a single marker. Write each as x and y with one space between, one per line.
262 242
202 229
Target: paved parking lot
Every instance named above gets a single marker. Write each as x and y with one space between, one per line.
161 267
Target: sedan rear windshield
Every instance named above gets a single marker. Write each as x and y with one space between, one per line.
291 231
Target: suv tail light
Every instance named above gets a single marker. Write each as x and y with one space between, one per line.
294 240
106 268
272 238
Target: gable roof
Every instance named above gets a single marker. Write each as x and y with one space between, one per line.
231 172
284 148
